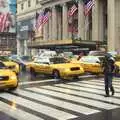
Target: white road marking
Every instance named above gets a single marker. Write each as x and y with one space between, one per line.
17 113
59 103
52 112
74 98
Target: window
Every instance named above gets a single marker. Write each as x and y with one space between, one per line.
29 3
22 6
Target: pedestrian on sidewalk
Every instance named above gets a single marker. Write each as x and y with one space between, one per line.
108 69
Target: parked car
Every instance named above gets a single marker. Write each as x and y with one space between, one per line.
10 64
55 66
8 78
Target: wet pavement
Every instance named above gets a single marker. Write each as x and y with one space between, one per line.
48 99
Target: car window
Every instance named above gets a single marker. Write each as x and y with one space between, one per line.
4 58
57 60
2 65
90 59
42 60
94 60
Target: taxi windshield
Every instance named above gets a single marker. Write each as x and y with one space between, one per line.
4 58
57 60
2 66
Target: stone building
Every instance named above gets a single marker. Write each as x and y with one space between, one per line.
102 25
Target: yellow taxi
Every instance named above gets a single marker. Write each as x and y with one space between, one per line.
55 66
117 63
10 64
92 64
8 78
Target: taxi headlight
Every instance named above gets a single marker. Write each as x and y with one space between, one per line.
12 77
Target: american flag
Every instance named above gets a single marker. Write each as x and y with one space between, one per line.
39 20
46 18
3 21
88 6
72 10
42 19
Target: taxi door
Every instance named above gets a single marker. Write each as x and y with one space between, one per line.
45 67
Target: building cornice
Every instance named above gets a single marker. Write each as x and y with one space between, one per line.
28 11
51 3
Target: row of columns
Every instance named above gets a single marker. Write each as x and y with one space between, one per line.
98 30
51 31
54 31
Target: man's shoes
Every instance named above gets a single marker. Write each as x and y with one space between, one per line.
106 95
113 92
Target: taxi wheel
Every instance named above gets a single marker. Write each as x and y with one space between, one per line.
56 74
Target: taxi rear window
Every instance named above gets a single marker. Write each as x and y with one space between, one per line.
57 60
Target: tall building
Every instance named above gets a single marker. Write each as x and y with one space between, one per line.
101 26
8 25
26 19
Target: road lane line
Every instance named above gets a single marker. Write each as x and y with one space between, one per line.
117 85
74 98
56 102
34 82
52 112
17 113
85 84
86 89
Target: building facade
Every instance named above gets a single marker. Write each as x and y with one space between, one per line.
8 27
102 25
26 18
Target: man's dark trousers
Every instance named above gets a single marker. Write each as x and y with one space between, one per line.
108 84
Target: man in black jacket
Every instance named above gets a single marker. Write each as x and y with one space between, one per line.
108 74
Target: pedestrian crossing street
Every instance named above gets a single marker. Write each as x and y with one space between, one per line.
61 101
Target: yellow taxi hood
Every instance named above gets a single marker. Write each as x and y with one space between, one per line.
65 65
6 72
9 63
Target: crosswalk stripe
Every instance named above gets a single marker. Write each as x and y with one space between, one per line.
74 98
83 88
34 82
88 95
86 85
52 112
82 84
116 83
56 102
17 113
102 80
84 94
97 83
77 87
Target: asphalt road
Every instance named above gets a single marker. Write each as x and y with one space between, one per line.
49 99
